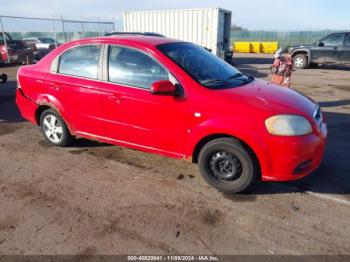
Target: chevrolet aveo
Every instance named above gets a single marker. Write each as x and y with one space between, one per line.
176 99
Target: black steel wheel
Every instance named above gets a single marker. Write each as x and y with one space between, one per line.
226 164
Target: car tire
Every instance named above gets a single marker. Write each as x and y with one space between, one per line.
55 129
300 61
227 165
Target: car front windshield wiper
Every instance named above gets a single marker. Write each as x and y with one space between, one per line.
239 76
228 82
250 77
235 76
214 81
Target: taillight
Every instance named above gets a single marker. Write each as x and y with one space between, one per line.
4 48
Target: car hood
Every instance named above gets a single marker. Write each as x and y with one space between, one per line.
269 99
302 46
16 44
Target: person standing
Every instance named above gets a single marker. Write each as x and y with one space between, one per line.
282 69
288 69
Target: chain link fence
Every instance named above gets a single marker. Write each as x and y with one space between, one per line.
283 38
61 29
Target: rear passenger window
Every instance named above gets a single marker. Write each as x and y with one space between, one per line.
131 67
80 61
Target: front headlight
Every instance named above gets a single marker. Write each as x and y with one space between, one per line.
288 125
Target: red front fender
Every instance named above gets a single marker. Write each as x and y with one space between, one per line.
243 130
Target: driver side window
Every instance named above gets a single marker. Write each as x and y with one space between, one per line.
333 40
131 67
347 40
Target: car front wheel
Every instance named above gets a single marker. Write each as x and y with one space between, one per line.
54 128
227 165
300 61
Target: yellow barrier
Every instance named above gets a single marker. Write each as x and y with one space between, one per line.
255 47
241 47
269 47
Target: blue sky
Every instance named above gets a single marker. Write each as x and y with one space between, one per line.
253 14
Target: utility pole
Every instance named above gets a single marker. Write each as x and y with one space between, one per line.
98 26
82 28
54 31
64 32
113 26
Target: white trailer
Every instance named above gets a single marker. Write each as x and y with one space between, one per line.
208 27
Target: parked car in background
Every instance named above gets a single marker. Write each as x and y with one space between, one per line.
14 51
42 42
40 46
174 98
332 49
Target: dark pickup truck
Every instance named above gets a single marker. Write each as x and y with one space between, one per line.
14 51
332 49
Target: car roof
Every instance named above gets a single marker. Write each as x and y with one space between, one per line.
134 33
131 39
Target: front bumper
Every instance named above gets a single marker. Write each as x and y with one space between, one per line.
293 158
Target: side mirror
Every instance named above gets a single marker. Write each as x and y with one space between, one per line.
163 87
319 43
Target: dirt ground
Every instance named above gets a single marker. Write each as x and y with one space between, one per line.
93 198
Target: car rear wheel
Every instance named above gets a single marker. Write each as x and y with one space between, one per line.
227 165
300 61
54 128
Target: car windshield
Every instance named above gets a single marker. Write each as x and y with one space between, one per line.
46 40
204 67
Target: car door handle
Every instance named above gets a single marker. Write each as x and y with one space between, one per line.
116 98
54 86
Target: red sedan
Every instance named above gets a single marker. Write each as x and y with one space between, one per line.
176 99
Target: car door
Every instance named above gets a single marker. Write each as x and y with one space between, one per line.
132 114
344 51
74 83
326 50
